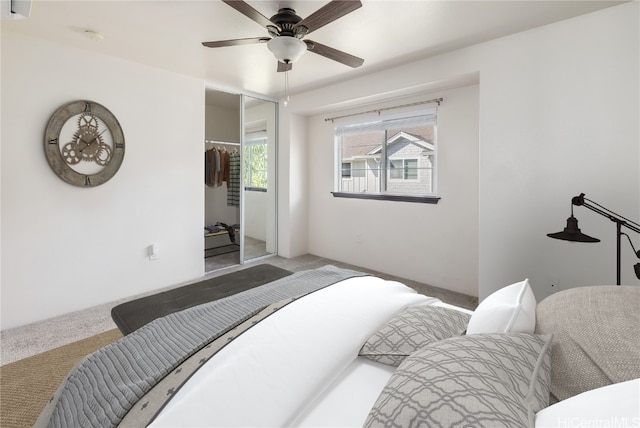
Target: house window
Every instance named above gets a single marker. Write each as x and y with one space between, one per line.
403 169
387 156
346 169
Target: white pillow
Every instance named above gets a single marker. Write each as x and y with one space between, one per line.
511 309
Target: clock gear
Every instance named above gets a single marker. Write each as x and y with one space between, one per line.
87 143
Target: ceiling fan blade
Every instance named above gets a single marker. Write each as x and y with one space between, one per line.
249 11
334 54
235 42
284 67
329 13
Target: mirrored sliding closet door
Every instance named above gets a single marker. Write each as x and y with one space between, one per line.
258 203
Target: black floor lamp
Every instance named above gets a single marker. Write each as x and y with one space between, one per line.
573 233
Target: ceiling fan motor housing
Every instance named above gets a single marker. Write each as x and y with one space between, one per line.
286 19
286 44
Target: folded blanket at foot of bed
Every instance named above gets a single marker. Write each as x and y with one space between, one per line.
132 315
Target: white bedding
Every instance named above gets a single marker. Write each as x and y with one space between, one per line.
291 369
358 385
300 368
616 405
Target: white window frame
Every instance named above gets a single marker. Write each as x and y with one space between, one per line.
386 121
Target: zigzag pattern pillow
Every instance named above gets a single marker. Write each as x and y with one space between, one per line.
412 329
479 380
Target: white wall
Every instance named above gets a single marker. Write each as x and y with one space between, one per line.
222 123
559 108
435 244
66 248
293 198
559 116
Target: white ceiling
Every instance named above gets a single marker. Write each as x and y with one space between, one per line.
168 34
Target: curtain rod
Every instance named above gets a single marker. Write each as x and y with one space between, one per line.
435 100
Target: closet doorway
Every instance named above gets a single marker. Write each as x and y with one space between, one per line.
240 179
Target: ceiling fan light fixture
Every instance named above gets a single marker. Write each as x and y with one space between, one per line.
287 49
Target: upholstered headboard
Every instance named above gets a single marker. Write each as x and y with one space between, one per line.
596 337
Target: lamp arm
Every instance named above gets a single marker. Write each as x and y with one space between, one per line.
616 218
582 201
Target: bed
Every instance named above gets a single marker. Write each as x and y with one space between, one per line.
333 347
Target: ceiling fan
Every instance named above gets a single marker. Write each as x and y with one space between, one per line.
288 29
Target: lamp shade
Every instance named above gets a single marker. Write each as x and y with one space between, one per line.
287 49
572 233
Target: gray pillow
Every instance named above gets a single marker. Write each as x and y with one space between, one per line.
596 337
412 329
479 380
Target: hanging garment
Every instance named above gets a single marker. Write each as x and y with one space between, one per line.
216 176
207 172
227 167
233 194
224 167
209 167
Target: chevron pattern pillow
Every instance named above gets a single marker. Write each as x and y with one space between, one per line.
481 380
412 329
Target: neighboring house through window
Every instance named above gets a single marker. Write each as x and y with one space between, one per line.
387 155
255 157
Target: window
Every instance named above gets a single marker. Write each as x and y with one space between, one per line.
403 169
255 164
346 169
389 156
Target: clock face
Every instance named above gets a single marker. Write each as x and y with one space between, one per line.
84 143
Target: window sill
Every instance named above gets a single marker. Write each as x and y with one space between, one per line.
385 197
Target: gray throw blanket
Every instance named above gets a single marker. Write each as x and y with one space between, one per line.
102 388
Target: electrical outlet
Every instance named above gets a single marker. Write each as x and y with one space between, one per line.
152 252
358 238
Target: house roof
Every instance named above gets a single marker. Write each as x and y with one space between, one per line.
405 136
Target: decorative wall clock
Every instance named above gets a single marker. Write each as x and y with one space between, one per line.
84 143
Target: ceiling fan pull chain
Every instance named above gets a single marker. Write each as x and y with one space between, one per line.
286 88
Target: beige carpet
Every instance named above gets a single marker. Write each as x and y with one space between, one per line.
26 385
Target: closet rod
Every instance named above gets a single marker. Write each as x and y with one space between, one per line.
221 142
378 110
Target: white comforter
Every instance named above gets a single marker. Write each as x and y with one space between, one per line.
300 366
